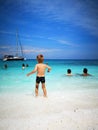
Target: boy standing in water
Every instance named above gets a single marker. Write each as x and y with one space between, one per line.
40 69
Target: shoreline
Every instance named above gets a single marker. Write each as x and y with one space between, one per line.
76 110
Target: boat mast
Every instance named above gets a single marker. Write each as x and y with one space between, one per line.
18 44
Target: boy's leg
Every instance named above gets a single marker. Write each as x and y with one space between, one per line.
36 89
44 90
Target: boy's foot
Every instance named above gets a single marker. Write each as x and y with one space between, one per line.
45 96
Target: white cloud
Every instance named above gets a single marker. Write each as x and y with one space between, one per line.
39 50
4 47
64 42
80 13
6 32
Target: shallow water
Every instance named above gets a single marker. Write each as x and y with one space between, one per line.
14 79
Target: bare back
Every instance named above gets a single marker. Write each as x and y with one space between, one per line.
40 68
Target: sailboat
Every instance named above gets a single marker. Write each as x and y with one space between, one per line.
19 50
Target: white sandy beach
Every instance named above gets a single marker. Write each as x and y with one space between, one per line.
75 110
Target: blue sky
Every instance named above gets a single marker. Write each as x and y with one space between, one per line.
58 29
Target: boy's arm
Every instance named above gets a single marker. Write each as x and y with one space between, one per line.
49 68
32 72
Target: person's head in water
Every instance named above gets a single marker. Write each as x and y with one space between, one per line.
27 65
40 58
23 66
85 70
69 71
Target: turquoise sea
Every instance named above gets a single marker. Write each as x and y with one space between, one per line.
13 79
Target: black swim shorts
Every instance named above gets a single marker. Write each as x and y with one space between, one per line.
40 79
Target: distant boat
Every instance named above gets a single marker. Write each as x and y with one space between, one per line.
19 50
12 58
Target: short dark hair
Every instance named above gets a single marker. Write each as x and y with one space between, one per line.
40 58
69 71
85 70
